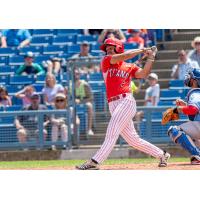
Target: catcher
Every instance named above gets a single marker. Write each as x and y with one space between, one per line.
187 134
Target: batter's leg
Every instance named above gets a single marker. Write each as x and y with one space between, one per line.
119 119
132 138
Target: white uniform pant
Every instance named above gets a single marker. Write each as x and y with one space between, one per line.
122 112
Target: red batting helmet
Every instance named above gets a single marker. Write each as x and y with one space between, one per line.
119 46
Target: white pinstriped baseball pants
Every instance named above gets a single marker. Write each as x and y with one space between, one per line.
122 112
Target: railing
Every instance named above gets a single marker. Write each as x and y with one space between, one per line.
33 122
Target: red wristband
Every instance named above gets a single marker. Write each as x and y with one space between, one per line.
190 110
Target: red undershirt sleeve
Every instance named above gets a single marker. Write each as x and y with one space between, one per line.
190 110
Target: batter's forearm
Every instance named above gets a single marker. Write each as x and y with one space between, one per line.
126 55
143 73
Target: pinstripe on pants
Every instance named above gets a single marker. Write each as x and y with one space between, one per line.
122 112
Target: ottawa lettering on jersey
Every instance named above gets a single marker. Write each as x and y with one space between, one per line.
118 72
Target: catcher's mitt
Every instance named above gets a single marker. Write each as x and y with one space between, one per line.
170 114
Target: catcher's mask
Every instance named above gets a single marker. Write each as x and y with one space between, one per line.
119 46
192 74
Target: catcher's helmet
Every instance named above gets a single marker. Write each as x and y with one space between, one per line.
119 46
194 73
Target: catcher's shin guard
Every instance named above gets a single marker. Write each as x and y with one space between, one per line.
179 136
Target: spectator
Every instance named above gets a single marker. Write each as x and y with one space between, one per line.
92 31
59 122
152 93
53 66
51 89
4 98
184 64
84 53
111 33
194 54
29 67
27 125
25 94
83 95
136 38
15 37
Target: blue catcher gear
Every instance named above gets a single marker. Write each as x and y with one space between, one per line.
179 136
194 73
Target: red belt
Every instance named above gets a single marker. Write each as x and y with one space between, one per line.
116 97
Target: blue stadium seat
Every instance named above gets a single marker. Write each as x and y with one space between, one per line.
4 79
97 85
8 51
34 49
40 79
43 32
14 108
68 31
3 60
38 87
16 60
166 103
130 46
21 80
16 101
64 40
8 134
5 70
12 89
95 48
95 77
52 49
176 83
81 111
88 38
75 48
41 41
170 94
39 59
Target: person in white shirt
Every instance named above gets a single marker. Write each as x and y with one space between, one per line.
184 64
152 93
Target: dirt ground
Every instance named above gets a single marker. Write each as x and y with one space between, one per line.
150 166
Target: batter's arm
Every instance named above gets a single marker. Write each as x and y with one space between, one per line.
126 55
143 73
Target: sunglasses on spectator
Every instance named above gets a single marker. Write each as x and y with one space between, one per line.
181 54
59 100
197 43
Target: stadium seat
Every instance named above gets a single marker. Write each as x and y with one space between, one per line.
12 89
95 77
38 87
68 31
64 40
16 60
34 49
176 84
88 38
4 79
39 59
95 48
128 46
166 94
81 111
8 134
52 49
41 41
21 80
5 70
14 108
43 32
8 51
166 103
75 48
3 60
97 85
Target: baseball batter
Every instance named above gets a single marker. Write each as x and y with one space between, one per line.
188 134
117 77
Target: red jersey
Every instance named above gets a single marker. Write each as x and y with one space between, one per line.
117 77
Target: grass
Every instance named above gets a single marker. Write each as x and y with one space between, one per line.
71 163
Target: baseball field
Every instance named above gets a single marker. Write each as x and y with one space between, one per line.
112 164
